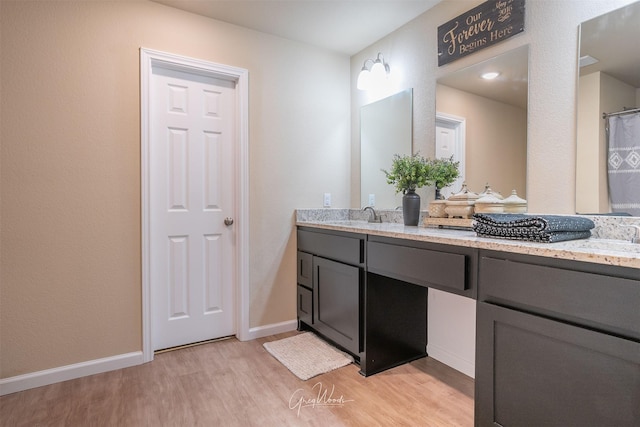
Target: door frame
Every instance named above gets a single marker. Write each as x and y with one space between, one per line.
148 59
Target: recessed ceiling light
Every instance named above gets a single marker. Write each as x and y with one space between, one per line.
587 60
490 76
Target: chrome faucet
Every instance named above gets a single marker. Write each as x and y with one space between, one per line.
373 217
636 237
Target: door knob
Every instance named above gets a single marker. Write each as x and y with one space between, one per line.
228 221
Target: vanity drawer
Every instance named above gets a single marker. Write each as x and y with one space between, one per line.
606 300
425 267
305 305
343 247
305 269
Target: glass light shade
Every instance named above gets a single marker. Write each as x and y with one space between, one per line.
364 79
378 73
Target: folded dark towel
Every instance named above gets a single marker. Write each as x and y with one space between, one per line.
537 228
551 237
541 222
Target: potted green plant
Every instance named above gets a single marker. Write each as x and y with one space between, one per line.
408 173
442 172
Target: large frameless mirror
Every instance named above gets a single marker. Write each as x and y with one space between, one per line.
608 91
483 122
385 129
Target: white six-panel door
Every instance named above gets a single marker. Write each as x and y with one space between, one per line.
192 253
450 141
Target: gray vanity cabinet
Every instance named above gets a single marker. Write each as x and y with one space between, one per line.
330 286
557 340
558 343
336 302
305 288
368 294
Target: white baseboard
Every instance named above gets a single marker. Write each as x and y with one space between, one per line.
267 330
453 360
69 372
98 366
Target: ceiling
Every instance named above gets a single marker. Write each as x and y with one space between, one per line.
344 26
510 87
349 26
613 39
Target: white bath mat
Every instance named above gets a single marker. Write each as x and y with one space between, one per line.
306 355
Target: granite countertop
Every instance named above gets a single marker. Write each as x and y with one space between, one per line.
602 251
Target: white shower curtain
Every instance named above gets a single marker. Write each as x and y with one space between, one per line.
624 163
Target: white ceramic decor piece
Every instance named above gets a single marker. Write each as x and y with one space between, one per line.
489 203
460 205
488 190
515 204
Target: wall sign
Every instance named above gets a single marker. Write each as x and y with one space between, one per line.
483 26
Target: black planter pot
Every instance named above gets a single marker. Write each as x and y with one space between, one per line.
411 208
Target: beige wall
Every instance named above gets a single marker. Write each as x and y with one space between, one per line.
588 148
551 31
496 135
70 281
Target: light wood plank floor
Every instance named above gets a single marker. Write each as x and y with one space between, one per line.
232 383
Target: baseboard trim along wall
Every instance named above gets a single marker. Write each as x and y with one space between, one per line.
98 366
452 360
274 328
69 372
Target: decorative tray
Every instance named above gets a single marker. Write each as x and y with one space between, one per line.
448 222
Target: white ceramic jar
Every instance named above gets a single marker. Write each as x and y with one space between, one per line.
489 203
515 204
462 203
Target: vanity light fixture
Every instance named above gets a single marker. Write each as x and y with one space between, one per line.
490 76
370 78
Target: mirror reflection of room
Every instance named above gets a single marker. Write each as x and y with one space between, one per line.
385 130
494 112
608 126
